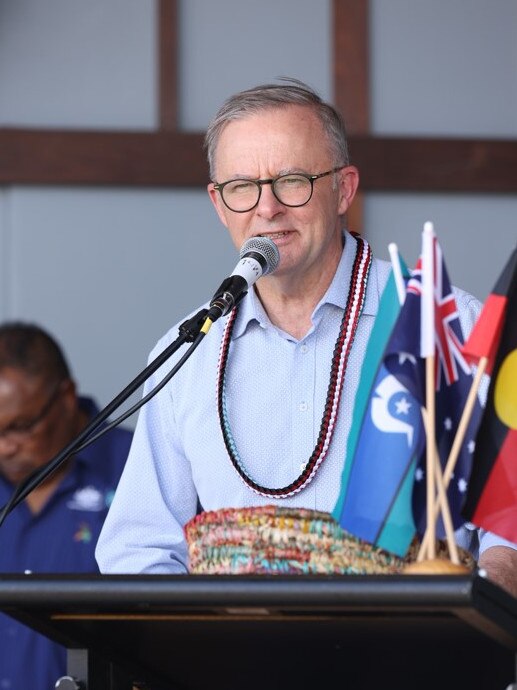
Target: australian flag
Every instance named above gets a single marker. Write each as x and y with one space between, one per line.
452 383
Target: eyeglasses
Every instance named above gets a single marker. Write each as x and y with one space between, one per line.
293 189
19 431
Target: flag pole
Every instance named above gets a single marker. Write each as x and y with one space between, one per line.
427 345
440 502
430 459
460 436
465 419
446 514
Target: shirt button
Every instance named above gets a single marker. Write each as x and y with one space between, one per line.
303 407
304 349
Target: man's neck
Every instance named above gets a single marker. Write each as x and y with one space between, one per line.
290 301
39 496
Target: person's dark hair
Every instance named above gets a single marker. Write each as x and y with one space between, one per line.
28 347
267 96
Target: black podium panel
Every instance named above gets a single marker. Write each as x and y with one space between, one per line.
237 633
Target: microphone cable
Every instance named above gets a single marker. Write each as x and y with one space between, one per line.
258 256
197 324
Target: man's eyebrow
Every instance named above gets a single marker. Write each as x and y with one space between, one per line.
293 171
280 173
239 176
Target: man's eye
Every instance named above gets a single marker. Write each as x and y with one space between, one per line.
292 181
240 187
16 427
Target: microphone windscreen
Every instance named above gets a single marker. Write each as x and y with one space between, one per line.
266 248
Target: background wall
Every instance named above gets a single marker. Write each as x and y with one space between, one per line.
446 67
109 270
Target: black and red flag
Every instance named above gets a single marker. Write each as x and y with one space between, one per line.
491 501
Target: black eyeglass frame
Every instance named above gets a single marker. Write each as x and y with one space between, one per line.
219 186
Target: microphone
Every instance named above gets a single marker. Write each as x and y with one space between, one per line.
259 256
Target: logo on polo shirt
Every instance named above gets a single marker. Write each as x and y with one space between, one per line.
87 498
83 533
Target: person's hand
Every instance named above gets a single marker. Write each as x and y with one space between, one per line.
500 564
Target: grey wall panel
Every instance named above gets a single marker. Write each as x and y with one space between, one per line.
65 63
109 271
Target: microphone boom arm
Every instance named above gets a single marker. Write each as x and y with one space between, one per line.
190 331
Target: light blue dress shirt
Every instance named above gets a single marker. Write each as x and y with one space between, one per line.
276 388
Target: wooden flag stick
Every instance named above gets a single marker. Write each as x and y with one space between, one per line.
460 436
427 351
441 502
430 459
465 419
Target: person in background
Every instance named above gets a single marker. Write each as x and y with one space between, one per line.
55 529
279 168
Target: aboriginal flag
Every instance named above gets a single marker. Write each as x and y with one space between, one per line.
492 492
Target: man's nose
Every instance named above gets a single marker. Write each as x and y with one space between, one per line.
268 205
8 445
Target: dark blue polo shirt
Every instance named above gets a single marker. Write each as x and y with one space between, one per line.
60 539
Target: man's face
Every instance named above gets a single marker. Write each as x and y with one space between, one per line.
35 422
272 143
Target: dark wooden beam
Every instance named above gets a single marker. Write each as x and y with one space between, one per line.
436 165
167 42
66 157
171 159
351 50
351 63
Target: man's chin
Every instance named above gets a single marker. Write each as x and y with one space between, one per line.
17 476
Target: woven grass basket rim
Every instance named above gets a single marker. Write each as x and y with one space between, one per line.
272 539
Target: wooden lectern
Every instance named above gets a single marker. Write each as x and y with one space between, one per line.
417 632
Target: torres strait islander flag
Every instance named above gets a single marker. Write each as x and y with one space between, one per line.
492 493
385 438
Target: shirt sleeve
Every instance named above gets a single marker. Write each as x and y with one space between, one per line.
143 532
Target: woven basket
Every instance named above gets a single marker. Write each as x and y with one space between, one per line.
272 540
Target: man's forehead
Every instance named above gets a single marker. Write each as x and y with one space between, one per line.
287 138
16 382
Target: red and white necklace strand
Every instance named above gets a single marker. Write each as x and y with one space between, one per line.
348 328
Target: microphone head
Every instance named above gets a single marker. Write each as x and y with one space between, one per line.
266 248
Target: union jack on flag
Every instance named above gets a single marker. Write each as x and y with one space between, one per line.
448 338
440 334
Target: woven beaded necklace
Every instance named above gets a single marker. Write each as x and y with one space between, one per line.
355 300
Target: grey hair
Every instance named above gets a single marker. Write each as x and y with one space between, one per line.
269 96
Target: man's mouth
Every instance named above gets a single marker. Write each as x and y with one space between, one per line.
274 235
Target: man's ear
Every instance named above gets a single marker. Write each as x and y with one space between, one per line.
216 200
348 179
69 393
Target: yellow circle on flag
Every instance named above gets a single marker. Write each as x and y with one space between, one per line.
505 391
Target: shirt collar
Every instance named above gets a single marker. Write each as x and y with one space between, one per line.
251 309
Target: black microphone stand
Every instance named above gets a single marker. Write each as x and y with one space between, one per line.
189 331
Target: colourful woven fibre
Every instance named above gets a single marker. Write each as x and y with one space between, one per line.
269 539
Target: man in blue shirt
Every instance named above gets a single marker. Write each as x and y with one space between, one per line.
261 412
56 528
